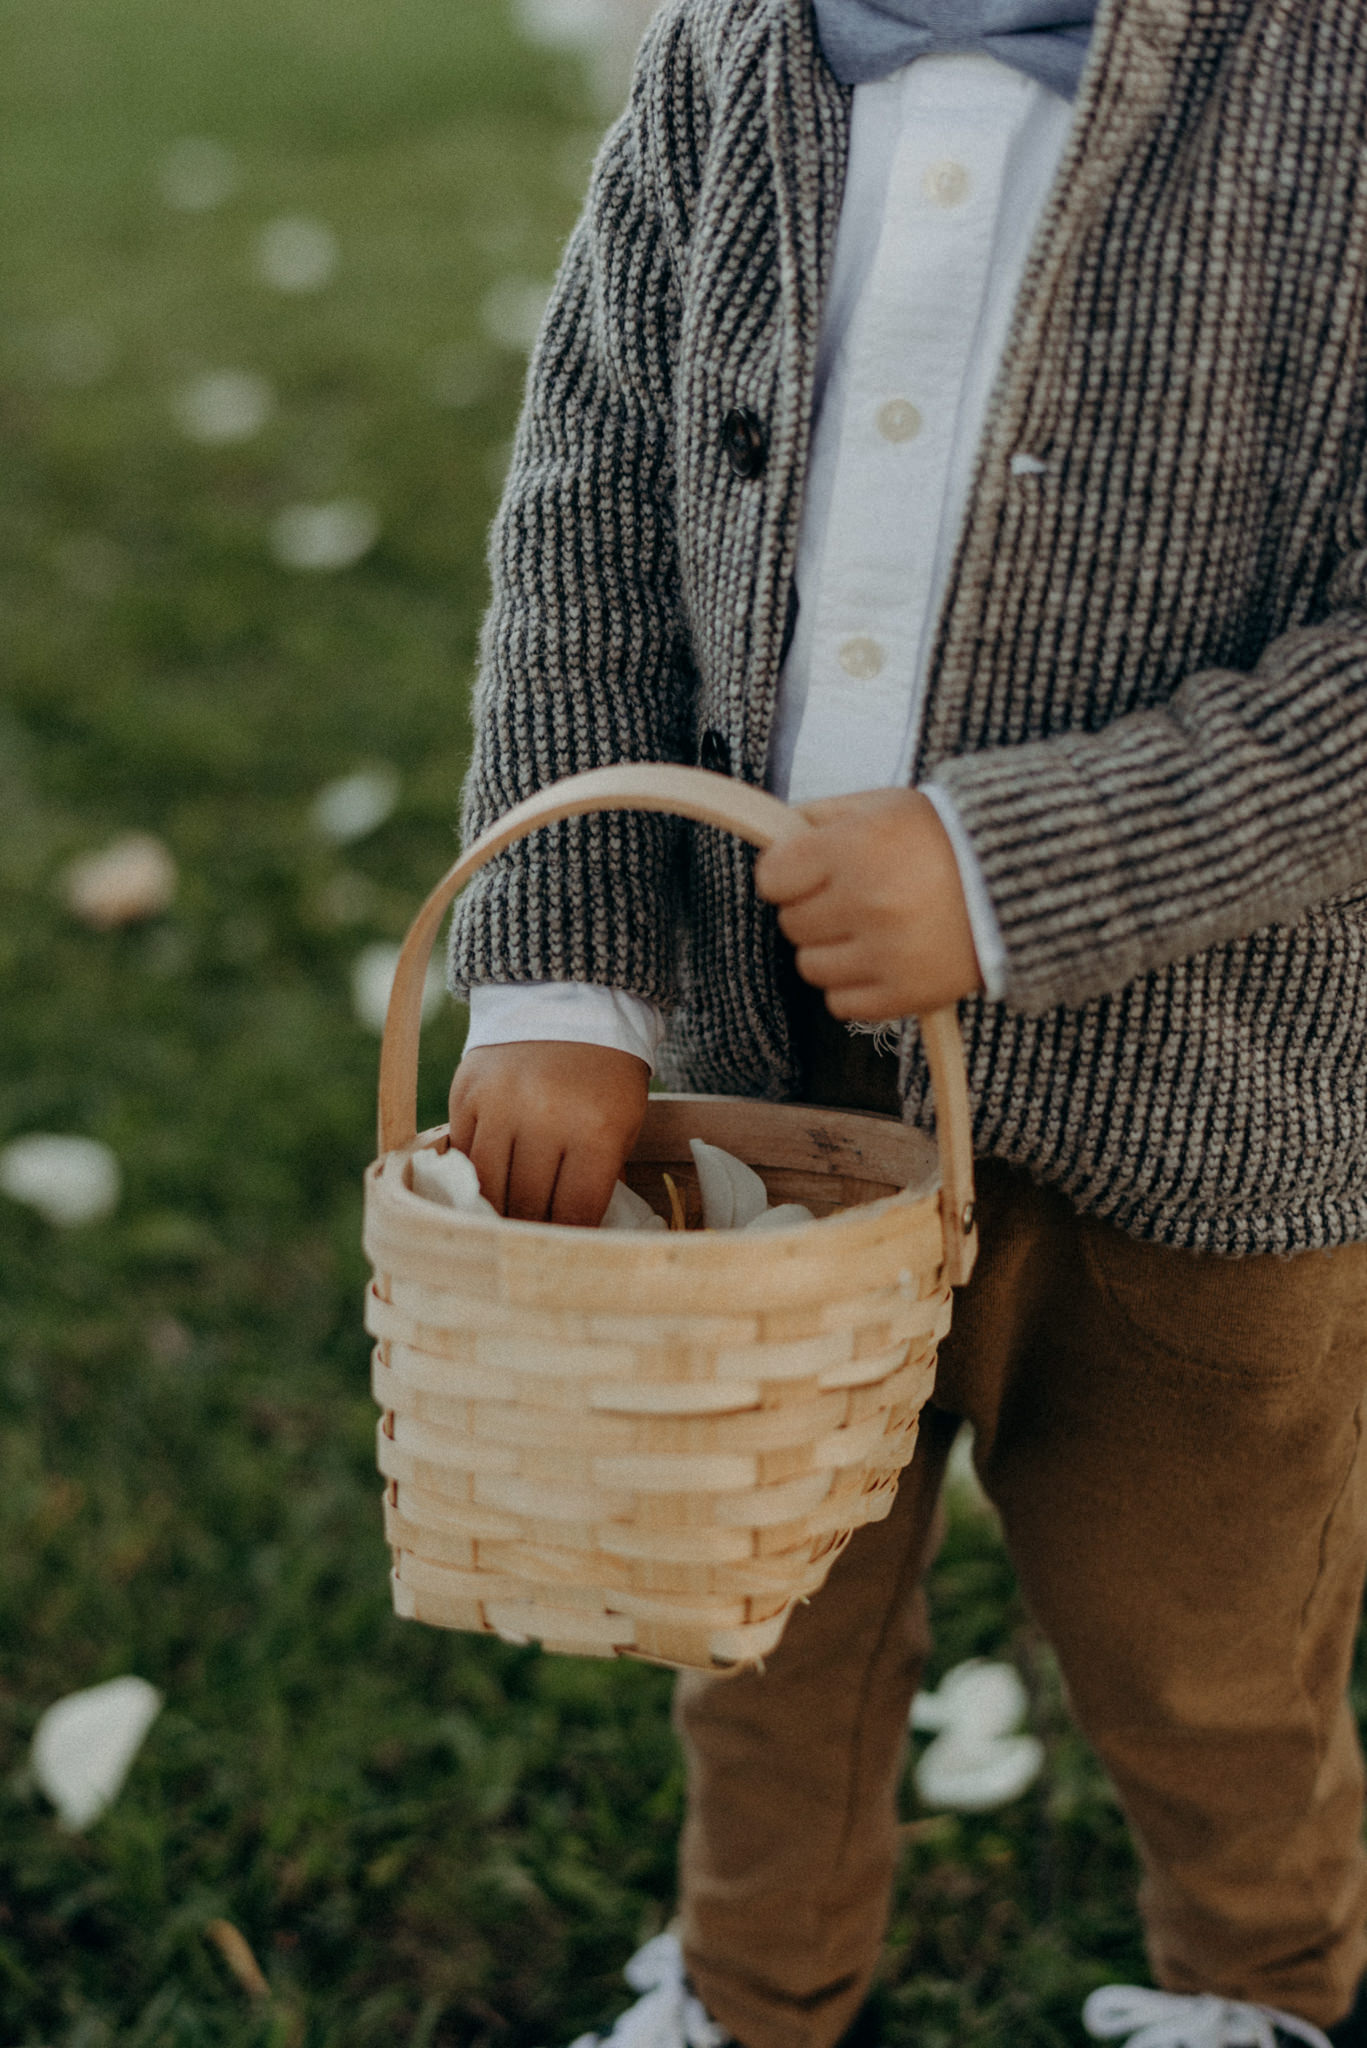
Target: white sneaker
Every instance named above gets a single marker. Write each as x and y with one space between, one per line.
667 2015
1167 2019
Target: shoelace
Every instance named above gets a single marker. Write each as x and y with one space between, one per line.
668 2015
1167 2019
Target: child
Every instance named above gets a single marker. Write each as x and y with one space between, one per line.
959 426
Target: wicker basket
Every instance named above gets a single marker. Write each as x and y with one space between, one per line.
655 1444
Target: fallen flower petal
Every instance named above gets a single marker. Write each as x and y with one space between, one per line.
356 805
67 1180
975 1762
296 254
84 1746
321 539
126 882
964 1778
976 1701
224 406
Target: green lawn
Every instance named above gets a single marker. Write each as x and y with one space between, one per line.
426 1839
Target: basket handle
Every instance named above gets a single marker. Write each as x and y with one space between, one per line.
738 807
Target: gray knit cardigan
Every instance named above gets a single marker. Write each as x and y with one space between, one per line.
1149 687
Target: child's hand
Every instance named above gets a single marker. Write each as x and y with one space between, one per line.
873 903
548 1125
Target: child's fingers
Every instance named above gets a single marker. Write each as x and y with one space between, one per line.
584 1187
532 1172
870 1004
491 1151
832 810
841 965
785 873
461 1121
821 919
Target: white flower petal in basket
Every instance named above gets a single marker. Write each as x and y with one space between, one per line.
629 1211
449 1178
84 1746
976 1701
733 1194
782 1218
975 1777
581 1320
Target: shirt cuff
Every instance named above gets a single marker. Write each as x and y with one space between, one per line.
574 1012
988 943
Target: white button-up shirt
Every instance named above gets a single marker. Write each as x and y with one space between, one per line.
951 161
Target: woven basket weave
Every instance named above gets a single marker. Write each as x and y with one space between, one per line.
650 1444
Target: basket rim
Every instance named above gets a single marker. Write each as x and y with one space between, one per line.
386 1175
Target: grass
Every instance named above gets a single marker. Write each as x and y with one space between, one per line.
426 1839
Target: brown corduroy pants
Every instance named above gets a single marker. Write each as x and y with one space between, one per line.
1174 1444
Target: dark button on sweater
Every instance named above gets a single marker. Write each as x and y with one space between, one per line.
714 753
743 438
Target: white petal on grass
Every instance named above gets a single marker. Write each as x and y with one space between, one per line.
733 1194
976 1701
296 254
449 1178
976 1761
372 977
79 354
629 1211
324 538
356 805
224 406
197 174
962 1483
127 882
511 311
84 1746
953 1778
67 1180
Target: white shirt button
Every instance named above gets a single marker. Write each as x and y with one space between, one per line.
899 420
862 658
946 183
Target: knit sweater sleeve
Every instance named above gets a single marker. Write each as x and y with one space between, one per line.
1238 804
584 655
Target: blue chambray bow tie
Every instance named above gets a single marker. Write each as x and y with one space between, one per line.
866 39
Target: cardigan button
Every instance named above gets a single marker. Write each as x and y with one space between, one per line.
743 439
714 753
